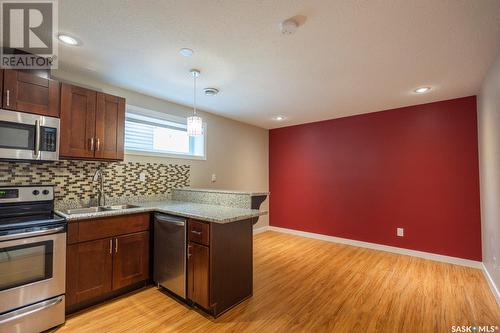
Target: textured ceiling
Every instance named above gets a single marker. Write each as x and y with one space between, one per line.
348 57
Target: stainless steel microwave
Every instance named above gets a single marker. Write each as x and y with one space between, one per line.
25 136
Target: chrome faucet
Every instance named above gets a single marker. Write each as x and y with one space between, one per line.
99 176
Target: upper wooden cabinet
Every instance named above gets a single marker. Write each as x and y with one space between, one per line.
92 124
78 106
28 92
109 127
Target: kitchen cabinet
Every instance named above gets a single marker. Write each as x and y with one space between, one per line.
89 270
198 274
220 264
28 92
105 257
78 106
110 126
131 259
92 124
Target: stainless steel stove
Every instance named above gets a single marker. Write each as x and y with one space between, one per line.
32 260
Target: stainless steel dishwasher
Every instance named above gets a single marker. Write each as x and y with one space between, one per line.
170 253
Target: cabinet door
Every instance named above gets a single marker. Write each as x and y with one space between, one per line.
89 270
198 274
110 126
77 122
131 259
27 92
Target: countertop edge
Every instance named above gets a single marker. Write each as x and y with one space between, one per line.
252 194
131 211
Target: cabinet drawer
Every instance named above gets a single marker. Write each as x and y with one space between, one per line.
199 232
112 226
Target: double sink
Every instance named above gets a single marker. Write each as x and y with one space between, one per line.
98 209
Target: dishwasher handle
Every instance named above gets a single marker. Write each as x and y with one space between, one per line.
170 219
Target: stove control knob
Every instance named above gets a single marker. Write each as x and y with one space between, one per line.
45 192
36 192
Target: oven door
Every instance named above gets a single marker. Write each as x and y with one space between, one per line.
25 136
32 269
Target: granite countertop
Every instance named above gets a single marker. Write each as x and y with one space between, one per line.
205 212
252 194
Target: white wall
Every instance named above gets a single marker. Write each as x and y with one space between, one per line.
489 164
236 152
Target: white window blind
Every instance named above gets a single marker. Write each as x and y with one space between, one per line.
160 134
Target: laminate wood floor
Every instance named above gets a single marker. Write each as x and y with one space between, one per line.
307 285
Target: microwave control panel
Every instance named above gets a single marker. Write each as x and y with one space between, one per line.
48 139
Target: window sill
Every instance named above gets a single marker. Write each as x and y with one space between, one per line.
165 155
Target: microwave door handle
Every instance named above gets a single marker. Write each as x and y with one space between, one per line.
37 139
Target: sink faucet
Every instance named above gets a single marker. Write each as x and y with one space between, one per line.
99 176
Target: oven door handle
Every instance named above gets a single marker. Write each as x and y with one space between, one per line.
5 318
46 231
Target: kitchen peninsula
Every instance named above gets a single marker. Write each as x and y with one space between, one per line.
110 248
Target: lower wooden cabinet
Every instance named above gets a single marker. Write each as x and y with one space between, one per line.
89 270
117 259
220 260
130 259
198 274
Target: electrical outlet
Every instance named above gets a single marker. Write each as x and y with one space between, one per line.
142 177
214 178
400 232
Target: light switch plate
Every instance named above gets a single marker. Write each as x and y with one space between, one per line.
142 177
401 232
214 178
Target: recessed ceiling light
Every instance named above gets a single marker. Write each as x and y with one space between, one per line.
422 90
68 40
279 118
211 91
185 52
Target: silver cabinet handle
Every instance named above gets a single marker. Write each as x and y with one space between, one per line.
111 246
116 245
189 252
98 144
196 232
30 310
37 138
8 97
92 144
47 231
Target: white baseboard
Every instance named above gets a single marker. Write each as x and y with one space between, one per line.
491 283
260 230
387 248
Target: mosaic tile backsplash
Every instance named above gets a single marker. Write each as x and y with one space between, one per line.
73 179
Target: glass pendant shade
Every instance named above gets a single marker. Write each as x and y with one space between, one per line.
194 126
194 122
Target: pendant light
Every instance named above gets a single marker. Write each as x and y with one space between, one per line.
194 123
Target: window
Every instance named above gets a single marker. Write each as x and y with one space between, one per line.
155 133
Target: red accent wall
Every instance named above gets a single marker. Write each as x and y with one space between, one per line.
361 177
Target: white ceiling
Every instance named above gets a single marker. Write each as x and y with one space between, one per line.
348 57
